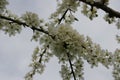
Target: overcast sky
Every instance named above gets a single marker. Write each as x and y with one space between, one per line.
15 52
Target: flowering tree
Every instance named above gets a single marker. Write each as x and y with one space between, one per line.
58 38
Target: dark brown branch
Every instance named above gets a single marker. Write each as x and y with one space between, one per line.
24 24
104 8
63 16
71 66
41 55
12 20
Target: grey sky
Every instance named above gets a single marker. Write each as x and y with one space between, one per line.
15 52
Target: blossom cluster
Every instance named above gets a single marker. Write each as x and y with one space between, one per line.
3 4
39 58
94 54
10 27
116 65
65 39
109 19
90 12
118 24
78 68
64 5
36 65
31 19
65 72
118 38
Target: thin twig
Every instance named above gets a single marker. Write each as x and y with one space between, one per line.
41 55
63 16
71 66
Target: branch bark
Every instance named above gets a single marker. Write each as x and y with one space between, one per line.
103 7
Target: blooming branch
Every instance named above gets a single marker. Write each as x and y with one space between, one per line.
103 7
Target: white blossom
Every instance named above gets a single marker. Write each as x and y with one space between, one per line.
90 12
109 19
118 24
66 38
10 28
118 38
116 70
63 6
3 4
65 72
31 19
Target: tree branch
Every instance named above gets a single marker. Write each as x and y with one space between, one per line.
24 24
63 16
105 8
41 55
71 66
12 20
